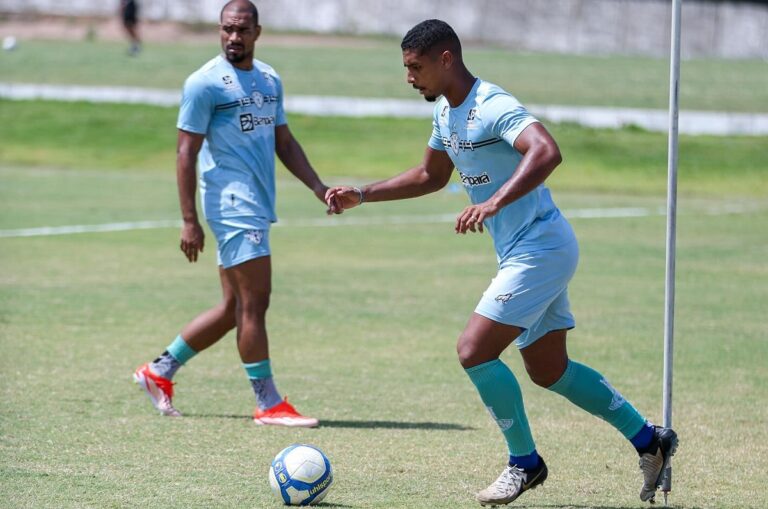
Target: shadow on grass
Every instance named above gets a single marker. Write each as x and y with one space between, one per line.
659 500
332 423
445 426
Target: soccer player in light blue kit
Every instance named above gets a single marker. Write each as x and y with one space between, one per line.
232 123
503 155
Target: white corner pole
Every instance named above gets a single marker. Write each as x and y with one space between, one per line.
669 291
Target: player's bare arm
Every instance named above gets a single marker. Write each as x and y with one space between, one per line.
192 236
541 156
431 175
293 157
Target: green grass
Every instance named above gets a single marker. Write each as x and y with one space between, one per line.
76 136
362 335
374 69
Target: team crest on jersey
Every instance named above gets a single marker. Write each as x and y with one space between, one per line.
268 77
258 99
455 143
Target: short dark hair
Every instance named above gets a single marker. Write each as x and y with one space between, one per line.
243 5
431 34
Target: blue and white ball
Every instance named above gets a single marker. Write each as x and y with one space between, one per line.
300 475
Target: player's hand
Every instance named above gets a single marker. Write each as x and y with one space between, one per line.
472 217
321 192
192 240
341 198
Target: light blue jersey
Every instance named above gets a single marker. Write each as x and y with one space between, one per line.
479 137
237 111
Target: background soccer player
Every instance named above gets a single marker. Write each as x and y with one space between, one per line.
232 123
503 156
129 14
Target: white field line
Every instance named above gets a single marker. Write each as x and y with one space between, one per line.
324 222
690 122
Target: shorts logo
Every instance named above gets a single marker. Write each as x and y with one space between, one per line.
503 298
474 180
504 424
255 236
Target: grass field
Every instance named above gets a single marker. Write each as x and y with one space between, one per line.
363 333
373 68
363 330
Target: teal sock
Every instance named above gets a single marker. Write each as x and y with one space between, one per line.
260 375
501 394
180 350
589 390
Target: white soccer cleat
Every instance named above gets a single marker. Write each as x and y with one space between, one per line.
512 482
159 390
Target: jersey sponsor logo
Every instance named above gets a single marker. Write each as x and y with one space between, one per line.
504 424
475 180
229 83
248 122
503 298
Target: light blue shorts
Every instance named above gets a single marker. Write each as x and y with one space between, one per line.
530 291
240 243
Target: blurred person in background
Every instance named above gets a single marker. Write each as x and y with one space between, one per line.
129 13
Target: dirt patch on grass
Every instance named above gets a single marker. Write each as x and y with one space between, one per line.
110 29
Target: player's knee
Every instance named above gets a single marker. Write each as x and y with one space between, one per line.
545 376
468 352
255 303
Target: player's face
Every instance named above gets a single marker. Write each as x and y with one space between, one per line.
424 73
238 36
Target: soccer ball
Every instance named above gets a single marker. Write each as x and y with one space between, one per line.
300 475
9 43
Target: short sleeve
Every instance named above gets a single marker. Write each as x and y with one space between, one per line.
196 107
436 140
505 117
279 111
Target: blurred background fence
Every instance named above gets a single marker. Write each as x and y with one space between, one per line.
725 29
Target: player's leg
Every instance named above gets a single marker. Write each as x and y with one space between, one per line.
251 282
516 299
479 348
203 331
547 362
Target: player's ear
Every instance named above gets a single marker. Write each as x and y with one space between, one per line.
258 31
446 58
